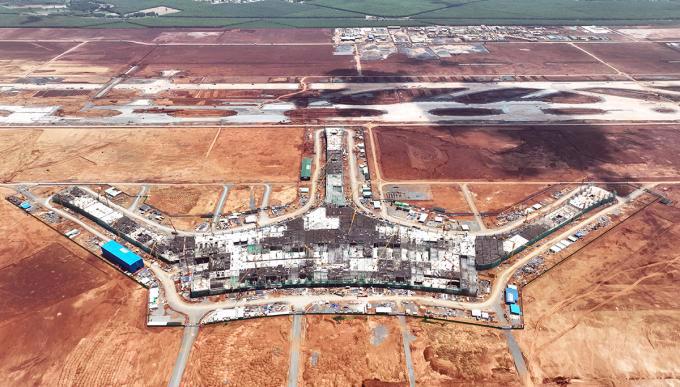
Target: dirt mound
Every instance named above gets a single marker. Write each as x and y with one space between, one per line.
444 354
465 112
665 110
491 96
565 97
189 112
393 96
572 111
380 383
302 115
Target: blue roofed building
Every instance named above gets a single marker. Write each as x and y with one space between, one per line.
515 309
511 294
122 256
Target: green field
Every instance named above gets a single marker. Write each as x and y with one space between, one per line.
347 13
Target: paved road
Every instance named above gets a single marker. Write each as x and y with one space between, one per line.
406 340
143 190
264 215
513 347
516 353
190 333
219 205
295 340
471 203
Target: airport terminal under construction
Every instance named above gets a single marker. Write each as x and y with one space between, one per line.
332 245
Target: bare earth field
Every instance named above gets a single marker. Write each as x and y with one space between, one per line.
449 197
247 61
610 314
184 200
502 58
174 35
238 199
19 58
495 198
446 354
529 152
283 194
351 351
150 154
244 353
86 324
638 59
96 61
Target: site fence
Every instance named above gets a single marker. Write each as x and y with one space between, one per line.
107 226
241 286
491 265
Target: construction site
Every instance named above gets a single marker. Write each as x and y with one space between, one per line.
426 205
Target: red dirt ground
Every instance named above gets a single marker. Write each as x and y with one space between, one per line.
528 152
610 315
152 154
638 58
449 354
96 61
304 114
495 198
106 53
348 354
86 324
391 96
174 35
248 61
34 51
18 58
449 197
242 353
503 58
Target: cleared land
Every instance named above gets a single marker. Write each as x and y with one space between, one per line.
20 58
238 199
86 324
351 351
446 354
247 61
610 314
642 58
283 194
502 58
496 198
184 200
151 155
529 152
244 353
449 197
96 61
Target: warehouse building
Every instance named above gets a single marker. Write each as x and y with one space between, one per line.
121 256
